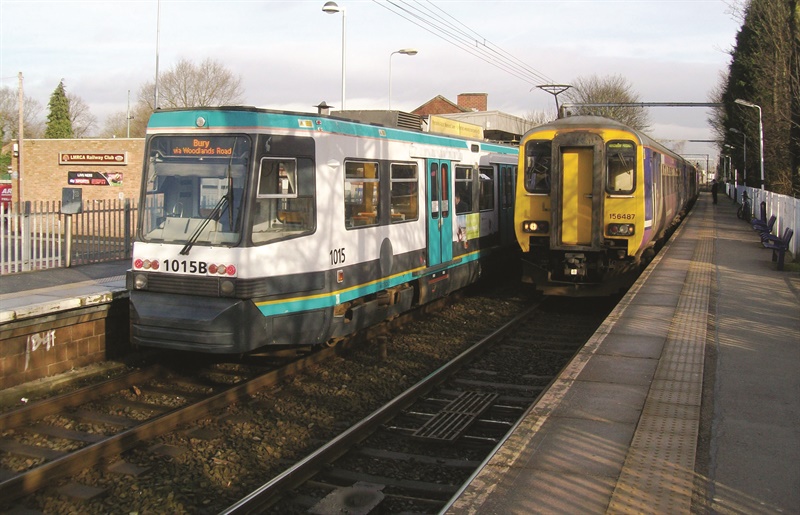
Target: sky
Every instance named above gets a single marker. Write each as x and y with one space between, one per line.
288 54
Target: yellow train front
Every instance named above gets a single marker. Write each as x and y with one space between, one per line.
594 203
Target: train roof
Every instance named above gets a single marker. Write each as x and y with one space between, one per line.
601 122
250 116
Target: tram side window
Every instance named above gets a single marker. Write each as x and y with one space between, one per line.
538 166
463 190
621 167
405 191
284 203
361 194
487 180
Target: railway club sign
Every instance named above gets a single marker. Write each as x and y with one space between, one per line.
93 158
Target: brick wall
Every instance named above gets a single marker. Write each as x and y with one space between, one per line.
474 101
43 176
54 344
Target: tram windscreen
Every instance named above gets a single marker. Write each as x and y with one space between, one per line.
194 189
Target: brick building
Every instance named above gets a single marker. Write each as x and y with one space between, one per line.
105 169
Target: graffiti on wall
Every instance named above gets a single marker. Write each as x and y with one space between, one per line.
46 339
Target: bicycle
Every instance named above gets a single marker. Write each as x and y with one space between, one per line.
744 211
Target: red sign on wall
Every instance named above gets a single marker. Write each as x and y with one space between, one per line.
6 191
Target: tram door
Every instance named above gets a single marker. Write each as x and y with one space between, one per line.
576 196
440 221
507 199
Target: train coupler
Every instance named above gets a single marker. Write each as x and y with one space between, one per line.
575 264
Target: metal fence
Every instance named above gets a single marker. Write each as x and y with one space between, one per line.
36 235
786 210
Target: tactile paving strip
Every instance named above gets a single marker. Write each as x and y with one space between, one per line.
658 474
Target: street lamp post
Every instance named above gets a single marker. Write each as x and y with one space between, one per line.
760 133
744 152
333 8
734 173
405 51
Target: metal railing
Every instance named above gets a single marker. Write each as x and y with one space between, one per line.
37 235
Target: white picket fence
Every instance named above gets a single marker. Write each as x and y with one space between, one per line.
786 210
33 234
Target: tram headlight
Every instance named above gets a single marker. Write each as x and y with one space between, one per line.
621 229
140 281
227 288
535 226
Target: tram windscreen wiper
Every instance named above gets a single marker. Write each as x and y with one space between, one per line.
213 215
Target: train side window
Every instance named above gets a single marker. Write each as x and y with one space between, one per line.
620 167
463 190
361 194
284 205
538 166
487 180
404 191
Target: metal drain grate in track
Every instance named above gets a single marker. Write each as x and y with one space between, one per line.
456 417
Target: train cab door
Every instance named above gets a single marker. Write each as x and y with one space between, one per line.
440 221
576 196
506 201
578 212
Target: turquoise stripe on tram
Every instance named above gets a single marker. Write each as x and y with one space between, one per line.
330 299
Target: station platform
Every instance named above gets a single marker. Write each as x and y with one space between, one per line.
686 400
37 293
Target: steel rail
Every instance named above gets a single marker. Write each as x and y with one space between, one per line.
30 481
57 403
262 498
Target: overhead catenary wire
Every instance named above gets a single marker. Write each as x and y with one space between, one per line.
436 21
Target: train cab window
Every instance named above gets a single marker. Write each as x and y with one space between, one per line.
284 204
486 175
404 192
361 194
195 189
621 167
463 198
538 166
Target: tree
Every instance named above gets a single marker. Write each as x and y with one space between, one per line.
82 121
765 70
613 89
117 125
190 85
9 116
58 120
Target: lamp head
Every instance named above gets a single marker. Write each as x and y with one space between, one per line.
408 51
331 8
745 103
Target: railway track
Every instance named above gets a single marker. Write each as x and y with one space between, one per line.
209 460
414 453
64 434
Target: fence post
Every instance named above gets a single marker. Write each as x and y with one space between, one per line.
68 241
25 235
127 230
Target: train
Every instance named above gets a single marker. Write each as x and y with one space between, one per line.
261 227
595 202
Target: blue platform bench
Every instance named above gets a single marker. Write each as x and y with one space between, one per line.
779 245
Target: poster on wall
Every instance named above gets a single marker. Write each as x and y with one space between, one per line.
94 179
